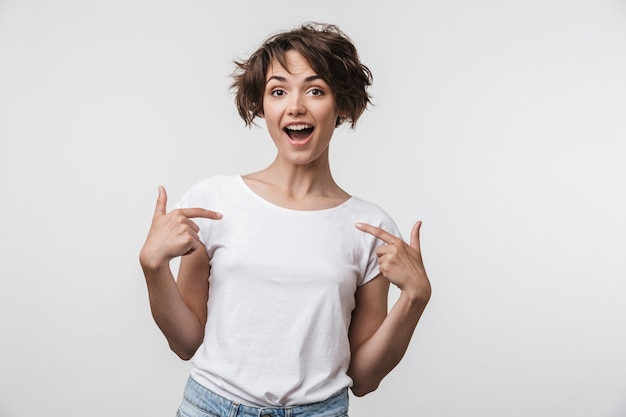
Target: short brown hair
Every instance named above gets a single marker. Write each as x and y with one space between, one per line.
331 54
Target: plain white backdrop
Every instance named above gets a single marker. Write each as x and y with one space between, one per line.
500 124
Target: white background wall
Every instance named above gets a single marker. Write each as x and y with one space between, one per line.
500 124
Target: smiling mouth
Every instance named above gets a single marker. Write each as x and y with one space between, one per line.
298 132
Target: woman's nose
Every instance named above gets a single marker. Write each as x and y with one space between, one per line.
296 105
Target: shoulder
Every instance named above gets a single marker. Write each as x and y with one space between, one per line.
211 191
368 212
363 211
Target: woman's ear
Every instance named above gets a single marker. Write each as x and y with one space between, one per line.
341 117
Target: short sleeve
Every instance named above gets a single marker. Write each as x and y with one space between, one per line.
385 222
198 196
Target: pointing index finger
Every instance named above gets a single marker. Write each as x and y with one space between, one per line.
195 212
378 232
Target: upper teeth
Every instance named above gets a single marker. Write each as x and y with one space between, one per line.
298 127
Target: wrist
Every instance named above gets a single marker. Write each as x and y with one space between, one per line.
417 298
151 264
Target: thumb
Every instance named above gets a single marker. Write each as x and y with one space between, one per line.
415 236
161 203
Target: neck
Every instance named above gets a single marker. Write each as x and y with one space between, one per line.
300 187
300 180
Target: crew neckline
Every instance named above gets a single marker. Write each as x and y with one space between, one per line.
254 194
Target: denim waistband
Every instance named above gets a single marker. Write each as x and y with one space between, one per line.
200 402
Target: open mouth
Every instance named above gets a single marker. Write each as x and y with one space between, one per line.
298 132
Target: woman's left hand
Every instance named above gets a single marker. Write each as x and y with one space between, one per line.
401 263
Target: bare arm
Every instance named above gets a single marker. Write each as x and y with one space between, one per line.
379 340
178 308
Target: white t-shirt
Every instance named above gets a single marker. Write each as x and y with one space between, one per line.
281 293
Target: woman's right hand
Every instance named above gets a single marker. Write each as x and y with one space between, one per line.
171 234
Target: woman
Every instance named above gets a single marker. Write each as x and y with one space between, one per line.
280 299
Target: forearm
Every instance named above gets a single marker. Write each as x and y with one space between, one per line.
378 355
180 325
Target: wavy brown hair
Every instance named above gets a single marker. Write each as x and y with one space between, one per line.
330 53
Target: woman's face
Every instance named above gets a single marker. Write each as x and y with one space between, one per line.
300 111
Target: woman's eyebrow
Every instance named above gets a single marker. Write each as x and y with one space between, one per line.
275 77
283 79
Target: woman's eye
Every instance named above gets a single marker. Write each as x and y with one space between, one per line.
277 93
316 92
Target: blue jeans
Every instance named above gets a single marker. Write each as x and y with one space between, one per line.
200 402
